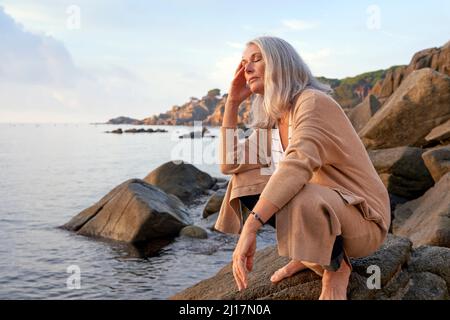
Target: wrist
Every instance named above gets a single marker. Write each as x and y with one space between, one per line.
251 225
232 104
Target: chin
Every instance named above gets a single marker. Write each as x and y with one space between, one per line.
257 89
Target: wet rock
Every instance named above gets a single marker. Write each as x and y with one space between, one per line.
214 203
181 179
194 232
132 212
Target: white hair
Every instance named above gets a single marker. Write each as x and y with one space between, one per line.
285 76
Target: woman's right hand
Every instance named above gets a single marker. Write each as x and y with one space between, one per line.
238 90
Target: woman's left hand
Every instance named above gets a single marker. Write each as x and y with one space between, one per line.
243 258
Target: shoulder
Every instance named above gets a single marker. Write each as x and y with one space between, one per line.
313 101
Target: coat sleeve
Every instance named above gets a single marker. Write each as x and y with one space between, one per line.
307 151
238 156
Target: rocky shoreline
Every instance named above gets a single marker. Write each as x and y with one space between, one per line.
360 96
407 136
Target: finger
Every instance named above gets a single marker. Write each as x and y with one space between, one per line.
239 67
239 70
240 276
250 263
242 271
236 277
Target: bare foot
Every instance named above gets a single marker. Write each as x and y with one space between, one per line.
334 284
288 270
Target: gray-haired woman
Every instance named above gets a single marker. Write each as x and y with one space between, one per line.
314 182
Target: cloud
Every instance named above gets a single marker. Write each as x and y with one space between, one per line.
299 25
38 78
33 59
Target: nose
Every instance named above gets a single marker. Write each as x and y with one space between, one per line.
248 67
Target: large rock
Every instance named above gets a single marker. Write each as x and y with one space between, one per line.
437 161
432 259
383 89
440 133
214 203
134 211
435 58
426 220
426 286
181 179
421 103
362 113
400 277
402 171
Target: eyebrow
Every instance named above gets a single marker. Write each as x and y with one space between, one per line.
253 54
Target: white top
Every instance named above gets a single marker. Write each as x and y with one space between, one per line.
277 147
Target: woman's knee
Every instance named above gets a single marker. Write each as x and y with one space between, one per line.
367 244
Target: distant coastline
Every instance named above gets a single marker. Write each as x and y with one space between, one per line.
371 88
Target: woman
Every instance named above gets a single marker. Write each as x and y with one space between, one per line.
303 169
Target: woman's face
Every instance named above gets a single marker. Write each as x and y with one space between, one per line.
254 68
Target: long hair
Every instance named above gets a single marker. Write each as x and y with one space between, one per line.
285 76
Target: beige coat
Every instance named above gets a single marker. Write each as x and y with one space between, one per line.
324 154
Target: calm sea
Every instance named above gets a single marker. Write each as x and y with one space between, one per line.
50 172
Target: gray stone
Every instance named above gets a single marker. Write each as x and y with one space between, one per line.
134 211
194 232
181 179
432 259
214 203
426 286
305 285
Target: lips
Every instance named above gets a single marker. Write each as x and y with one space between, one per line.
251 79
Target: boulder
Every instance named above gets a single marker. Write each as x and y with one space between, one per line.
440 133
435 58
134 211
305 285
432 259
181 179
119 131
426 286
426 220
437 161
421 103
402 171
362 113
404 274
194 232
214 203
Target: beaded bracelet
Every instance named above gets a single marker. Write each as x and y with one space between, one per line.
257 217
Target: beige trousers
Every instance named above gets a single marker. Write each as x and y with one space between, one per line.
308 225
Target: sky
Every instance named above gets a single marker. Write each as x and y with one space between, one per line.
91 60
